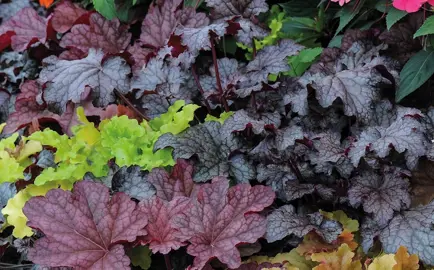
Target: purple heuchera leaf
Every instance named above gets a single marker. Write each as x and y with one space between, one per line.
178 183
83 229
242 119
214 151
67 80
162 236
220 217
109 36
380 195
285 221
28 27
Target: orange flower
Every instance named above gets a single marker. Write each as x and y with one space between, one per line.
46 3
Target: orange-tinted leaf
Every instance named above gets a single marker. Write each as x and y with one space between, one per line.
405 261
46 3
341 259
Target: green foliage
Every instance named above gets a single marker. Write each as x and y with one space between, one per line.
221 119
347 14
393 16
105 8
140 256
416 71
426 28
301 62
88 150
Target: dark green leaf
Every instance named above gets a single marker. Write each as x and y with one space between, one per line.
426 28
193 3
301 8
140 256
346 14
302 61
393 16
415 72
105 8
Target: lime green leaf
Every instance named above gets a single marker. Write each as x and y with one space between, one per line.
10 169
393 16
9 142
426 28
416 71
13 211
221 119
349 224
301 62
140 256
105 8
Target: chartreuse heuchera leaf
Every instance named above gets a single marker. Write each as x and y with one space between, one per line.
87 151
13 211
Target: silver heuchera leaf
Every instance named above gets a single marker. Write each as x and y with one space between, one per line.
412 229
285 221
276 176
46 159
212 149
294 190
229 76
158 74
404 134
133 181
329 154
197 39
243 11
231 8
295 94
7 191
380 195
243 119
352 78
272 60
67 80
286 137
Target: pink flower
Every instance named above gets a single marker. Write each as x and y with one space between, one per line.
409 5
342 2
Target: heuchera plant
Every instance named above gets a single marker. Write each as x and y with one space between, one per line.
216 134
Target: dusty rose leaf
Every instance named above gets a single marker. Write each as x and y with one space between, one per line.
188 17
83 229
28 27
220 217
109 36
178 183
159 23
65 15
72 54
27 108
67 80
139 56
162 236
